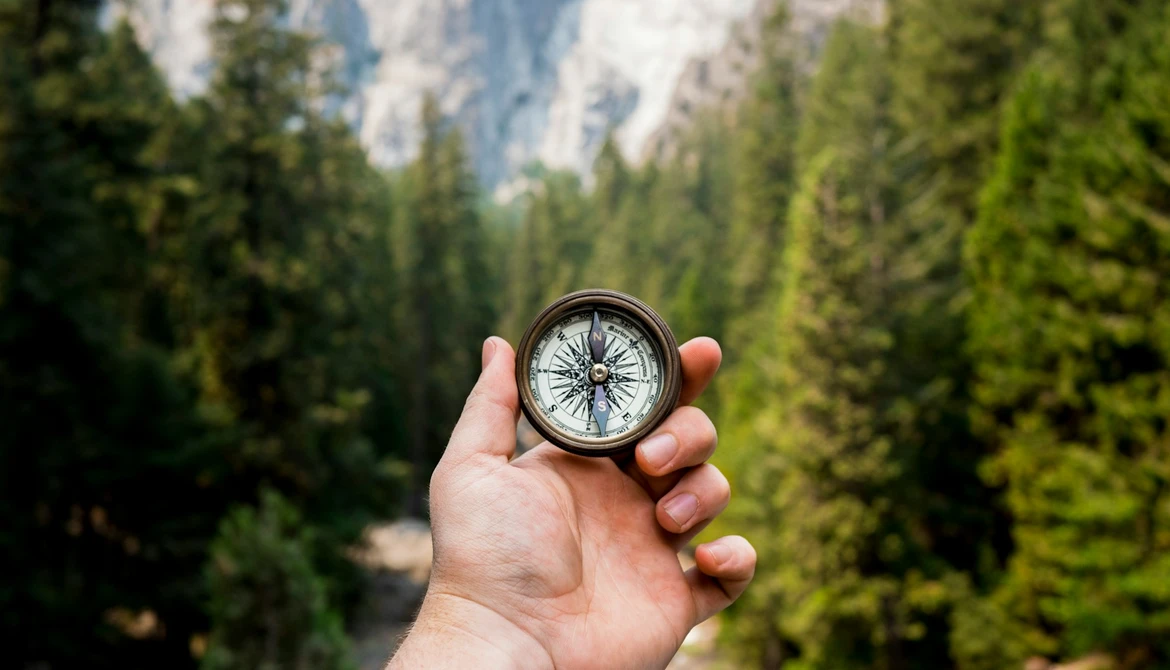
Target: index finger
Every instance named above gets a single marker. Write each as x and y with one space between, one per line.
700 360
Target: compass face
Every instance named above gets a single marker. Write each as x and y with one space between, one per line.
561 366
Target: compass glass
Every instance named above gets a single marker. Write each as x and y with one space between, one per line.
561 366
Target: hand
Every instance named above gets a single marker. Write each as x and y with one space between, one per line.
558 561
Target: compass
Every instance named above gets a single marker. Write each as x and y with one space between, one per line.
597 371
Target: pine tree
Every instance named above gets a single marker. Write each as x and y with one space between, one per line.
95 422
846 578
765 175
478 288
1069 263
550 254
375 294
446 310
684 270
268 320
952 64
268 605
613 225
267 283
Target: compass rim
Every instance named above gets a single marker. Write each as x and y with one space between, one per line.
644 316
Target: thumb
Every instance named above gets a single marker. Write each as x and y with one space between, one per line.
488 423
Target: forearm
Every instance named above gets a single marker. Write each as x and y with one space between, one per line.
453 632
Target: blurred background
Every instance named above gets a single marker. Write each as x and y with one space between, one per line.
249 250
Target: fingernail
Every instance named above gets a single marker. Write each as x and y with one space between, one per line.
681 508
489 351
720 553
659 450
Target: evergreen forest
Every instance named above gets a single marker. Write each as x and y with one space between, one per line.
938 264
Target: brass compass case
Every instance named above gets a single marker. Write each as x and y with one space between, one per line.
618 310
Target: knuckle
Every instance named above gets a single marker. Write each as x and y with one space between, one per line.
691 414
438 477
483 400
476 398
701 423
720 487
698 429
712 433
724 488
744 548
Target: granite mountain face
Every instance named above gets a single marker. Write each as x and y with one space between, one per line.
527 80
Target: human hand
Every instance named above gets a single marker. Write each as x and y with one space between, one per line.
555 560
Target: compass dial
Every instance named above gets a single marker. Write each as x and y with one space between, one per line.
563 377
597 371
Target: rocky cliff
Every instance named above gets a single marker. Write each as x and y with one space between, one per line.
713 83
527 80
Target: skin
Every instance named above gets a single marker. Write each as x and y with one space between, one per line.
552 560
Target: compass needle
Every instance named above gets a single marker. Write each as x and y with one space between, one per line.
597 340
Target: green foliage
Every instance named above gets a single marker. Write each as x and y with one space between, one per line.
95 423
186 306
1069 261
268 605
764 153
847 575
984 635
446 301
953 63
944 401
614 224
547 256
675 213
268 276
688 217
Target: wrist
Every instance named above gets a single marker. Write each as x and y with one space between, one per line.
452 631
